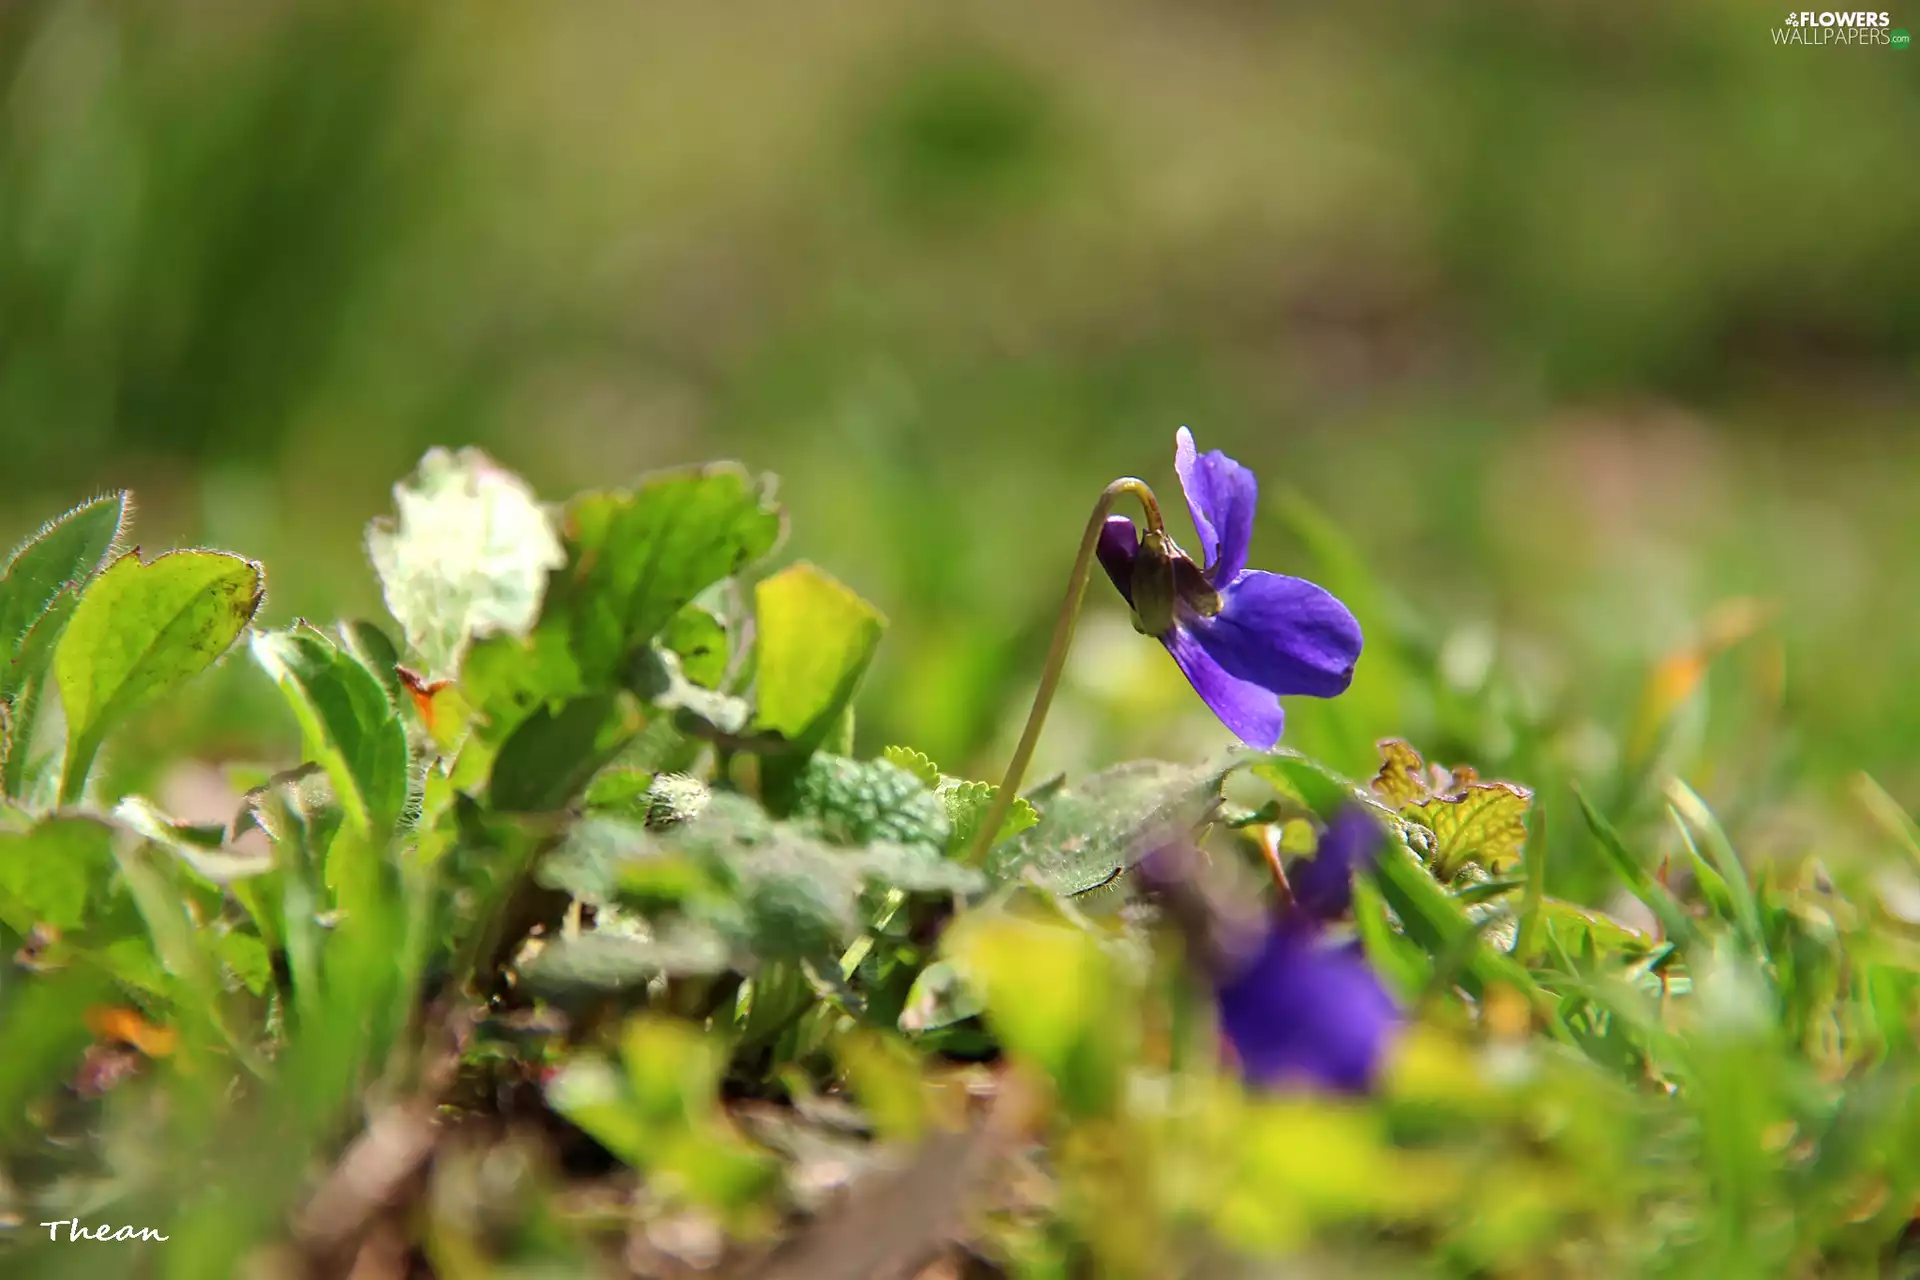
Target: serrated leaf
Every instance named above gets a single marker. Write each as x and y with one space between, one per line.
467 555
140 629
554 753
813 641
1402 779
635 559
48 873
698 638
967 804
1091 832
66 553
1486 823
351 728
915 763
856 802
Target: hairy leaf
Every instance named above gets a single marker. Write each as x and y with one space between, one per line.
1093 831
351 728
62 556
967 805
857 802
141 628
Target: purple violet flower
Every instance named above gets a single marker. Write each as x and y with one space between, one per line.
1299 1008
1243 637
1323 884
1307 1011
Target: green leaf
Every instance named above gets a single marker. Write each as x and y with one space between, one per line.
967 804
468 555
28 675
914 763
49 873
1092 832
1433 919
939 998
915 869
375 651
857 802
554 754
636 559
602 960
246 955
351 727
621 792
66 553
140 629
1573 925
1308 784
1673 917
201 847
697 637
815 638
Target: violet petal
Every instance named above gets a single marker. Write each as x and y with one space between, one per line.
1283 634
1308 1013
1244 707
1221 495
1119 543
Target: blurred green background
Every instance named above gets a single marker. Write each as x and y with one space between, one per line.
1549 329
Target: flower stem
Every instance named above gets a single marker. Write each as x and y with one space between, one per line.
1057 653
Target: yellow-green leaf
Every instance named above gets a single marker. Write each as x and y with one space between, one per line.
1485 823
1402 779
815 640
141 628
915 763
47 874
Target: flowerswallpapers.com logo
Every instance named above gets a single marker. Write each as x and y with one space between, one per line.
1829 28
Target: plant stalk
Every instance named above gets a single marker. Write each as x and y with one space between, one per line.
1057 654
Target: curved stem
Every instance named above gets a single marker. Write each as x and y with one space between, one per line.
1057 653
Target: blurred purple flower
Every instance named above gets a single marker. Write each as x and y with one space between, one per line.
1298 1008
1242 636
1323 884
1305 1011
